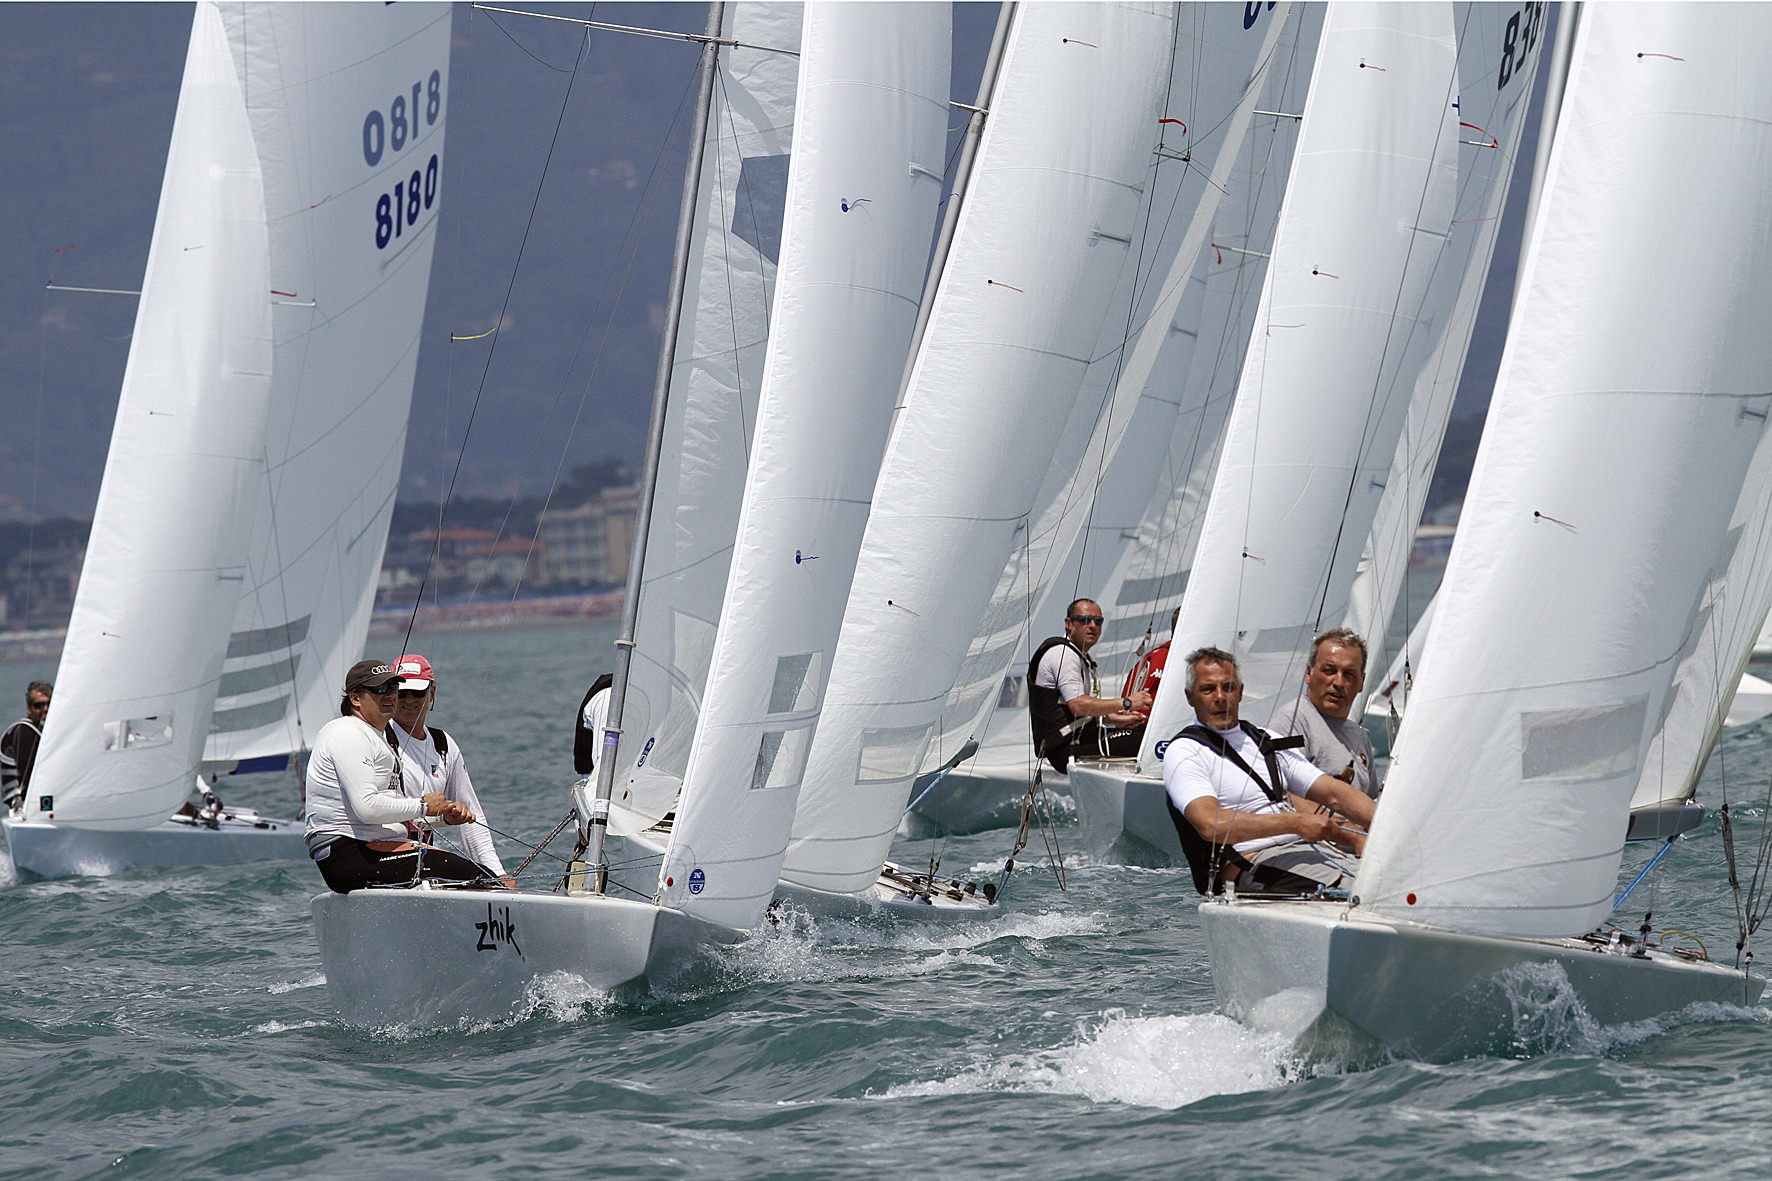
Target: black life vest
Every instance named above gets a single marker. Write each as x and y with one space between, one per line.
1205 859
586 741
1055 728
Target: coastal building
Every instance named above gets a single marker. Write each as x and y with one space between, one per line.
589 545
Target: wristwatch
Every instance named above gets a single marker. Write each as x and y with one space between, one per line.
1126 705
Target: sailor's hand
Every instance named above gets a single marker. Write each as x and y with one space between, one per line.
1127 721
1141 702
456 812
1325 826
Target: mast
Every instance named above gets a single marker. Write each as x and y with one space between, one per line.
594 820
944 240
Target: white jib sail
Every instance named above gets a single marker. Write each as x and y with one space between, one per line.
1220 61
1631 400
182 484
1325 387
715 382
863 196
1037 254
1492 111
347 104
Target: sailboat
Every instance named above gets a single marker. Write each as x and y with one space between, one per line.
1191 327
1158 386
1385 237
250 480
1571 596
863 196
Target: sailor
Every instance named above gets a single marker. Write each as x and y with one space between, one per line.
593 717
1245 804
18 746
431 760
357 813
1063 695
1332 679
1147 674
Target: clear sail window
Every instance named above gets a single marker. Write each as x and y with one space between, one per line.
891 754
781 758
136 733
1591 743
795 687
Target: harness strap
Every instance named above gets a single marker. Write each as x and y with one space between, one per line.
1268 745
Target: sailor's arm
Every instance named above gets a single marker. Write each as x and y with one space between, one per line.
1122 711
1332 792
1227 826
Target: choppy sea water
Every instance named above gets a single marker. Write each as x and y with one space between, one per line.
176 1024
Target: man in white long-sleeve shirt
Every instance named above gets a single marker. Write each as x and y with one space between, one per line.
430 760
356 811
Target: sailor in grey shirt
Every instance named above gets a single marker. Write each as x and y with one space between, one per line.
1332 680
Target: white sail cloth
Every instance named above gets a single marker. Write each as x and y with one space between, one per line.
1220 62
1037 253
863 196
1492 110
1630 404
182 481
1326 385
348 104
715 381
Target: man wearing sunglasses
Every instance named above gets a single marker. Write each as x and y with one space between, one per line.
1064 705
18 746
357 813
430 760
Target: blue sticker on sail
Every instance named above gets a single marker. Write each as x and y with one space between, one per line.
1161 747
697 880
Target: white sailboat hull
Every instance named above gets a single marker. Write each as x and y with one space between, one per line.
1124 816
50 850
485 952
977 799
1316 972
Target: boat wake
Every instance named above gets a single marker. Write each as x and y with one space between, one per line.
1547 1017
1164 1062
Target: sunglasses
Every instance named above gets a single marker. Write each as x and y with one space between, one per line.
411 693
34 706
1096 619
382 690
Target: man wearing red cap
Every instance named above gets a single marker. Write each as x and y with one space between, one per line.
430 760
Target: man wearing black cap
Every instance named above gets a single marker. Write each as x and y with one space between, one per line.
357 813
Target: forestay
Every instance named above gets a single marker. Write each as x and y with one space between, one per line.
1037 253
715 380
1631 400
347 104
1326 384
863 197
182 482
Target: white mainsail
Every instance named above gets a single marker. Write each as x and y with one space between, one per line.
863 196
1325 387
1631 402
347 104
182 482
1037 255
715 381
1220 63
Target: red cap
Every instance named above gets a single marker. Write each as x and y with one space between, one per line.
415 671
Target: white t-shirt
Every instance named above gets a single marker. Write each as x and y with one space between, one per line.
353 786
1062 668
423 770
1192 771
596 716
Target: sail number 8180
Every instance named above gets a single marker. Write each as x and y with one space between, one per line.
401 208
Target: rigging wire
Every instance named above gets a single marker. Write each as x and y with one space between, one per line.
480 390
